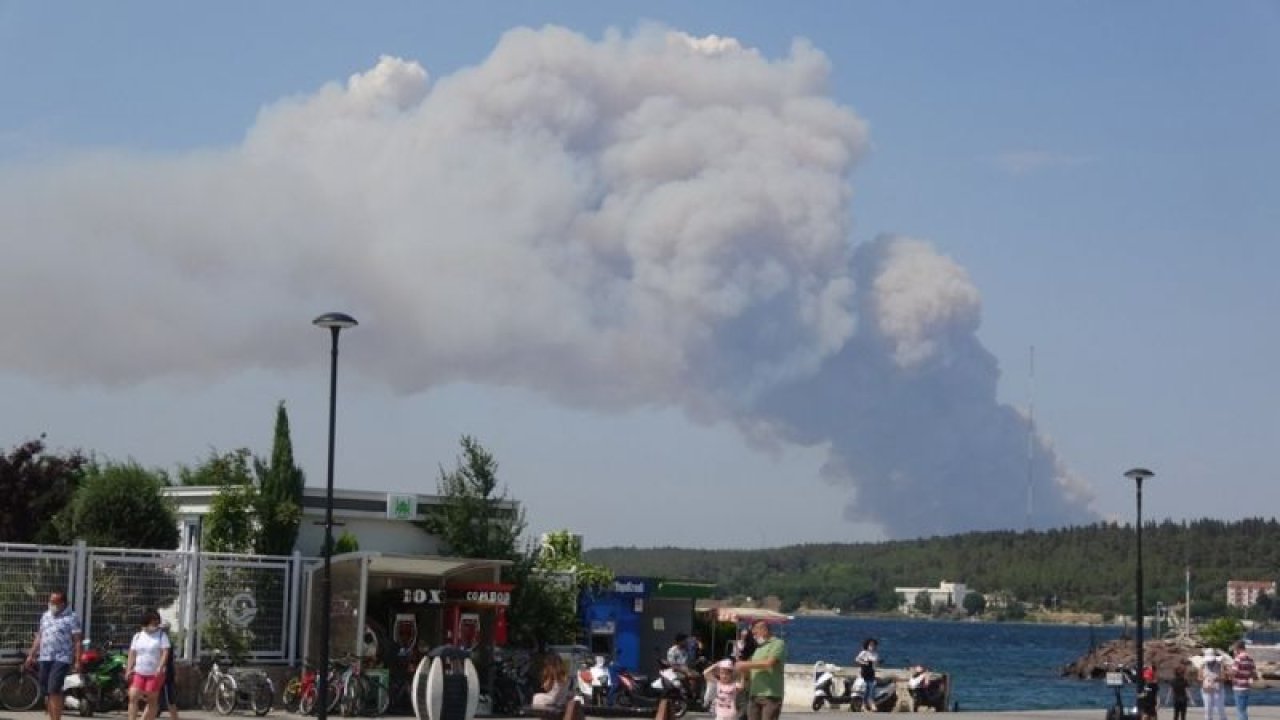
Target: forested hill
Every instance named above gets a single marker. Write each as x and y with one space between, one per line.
1088 568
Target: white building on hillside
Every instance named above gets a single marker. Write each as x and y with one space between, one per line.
947 594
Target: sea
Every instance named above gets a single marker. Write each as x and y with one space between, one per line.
994 666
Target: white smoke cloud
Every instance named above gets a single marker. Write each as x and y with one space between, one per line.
652 219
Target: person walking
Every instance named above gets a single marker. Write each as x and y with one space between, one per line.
56 647
724 679
168 693
1243 672
866 662
1148 694
145 668
766 679
1178 692
1211 685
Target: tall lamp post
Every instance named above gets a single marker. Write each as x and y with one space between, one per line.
1138 475
335 323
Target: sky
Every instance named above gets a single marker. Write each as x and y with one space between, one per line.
729 275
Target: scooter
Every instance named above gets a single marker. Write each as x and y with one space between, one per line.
1116 679
638 691
823 683
593 682
928 689
885 700
100 686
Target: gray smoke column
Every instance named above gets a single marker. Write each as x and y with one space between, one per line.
908 410
643 220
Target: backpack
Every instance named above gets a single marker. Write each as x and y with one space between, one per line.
1209 678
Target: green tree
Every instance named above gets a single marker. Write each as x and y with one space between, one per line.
36 485
1222 632
346 543
122 505
280 487
231 523
474 519
923 604
975 603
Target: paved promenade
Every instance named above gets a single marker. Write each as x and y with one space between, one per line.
1195 713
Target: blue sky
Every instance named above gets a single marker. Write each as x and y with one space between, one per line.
1102 174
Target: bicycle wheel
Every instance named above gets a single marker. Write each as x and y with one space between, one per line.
383 699
307 702
337 681
209 694
291 698
19 691
262 697
353 695
225 696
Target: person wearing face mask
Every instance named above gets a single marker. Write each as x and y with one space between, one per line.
56 647
145 669
765 670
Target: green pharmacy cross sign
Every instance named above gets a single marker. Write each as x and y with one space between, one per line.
400 507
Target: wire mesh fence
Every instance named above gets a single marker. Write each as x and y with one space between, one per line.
238 605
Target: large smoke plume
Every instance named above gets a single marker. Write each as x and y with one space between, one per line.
644 220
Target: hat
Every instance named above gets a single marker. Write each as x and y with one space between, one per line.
725 664
1148 673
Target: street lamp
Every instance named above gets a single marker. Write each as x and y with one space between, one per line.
1138 475
335 323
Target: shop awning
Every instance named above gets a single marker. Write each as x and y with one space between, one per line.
748 614
418 565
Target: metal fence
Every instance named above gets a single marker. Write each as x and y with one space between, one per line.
215 603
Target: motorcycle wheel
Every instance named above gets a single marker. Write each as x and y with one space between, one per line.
855 705
817 704
678 707
19 691
86 707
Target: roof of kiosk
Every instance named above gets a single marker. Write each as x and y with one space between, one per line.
423 565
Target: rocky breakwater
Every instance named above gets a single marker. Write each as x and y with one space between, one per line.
1165 655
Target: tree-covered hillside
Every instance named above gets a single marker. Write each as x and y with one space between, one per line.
1088 568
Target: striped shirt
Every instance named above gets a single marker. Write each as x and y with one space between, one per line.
1243 672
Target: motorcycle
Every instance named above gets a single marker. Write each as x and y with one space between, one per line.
885 700
928 689
824 680
638 691
100 686
511 691
593 682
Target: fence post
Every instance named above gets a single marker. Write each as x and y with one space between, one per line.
295 598
80 587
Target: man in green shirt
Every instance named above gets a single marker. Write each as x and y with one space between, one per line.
765 674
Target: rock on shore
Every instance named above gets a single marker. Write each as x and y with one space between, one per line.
1165 655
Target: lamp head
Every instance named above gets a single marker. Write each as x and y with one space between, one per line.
1139 474
335 321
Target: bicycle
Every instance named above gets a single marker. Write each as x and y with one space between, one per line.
222 690
363 693
309 692
20 690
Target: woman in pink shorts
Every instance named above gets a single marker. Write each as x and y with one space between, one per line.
148 655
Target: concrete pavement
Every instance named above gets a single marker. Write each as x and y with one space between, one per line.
1261 712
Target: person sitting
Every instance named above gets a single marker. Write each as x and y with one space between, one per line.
554 681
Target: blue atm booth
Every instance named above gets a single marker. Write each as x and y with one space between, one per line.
633 623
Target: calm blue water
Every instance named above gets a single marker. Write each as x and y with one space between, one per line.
995 666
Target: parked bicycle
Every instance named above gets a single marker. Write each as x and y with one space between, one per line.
363 693
225 690
20 689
